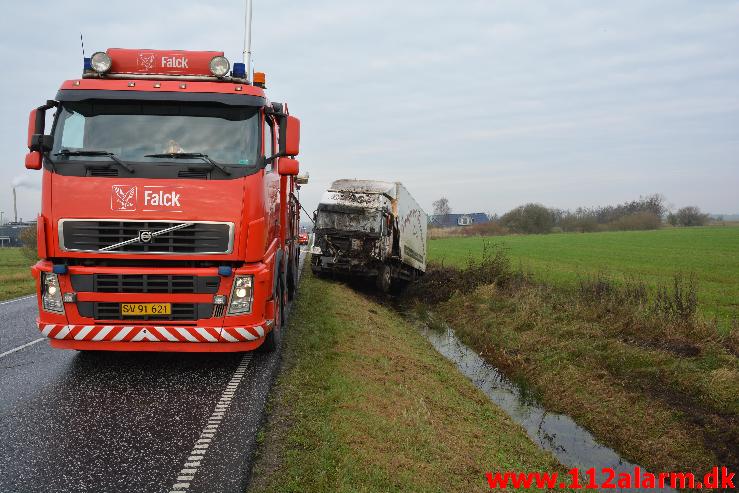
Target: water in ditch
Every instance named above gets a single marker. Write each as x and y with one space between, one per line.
571 444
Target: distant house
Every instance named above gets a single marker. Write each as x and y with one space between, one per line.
10 233
457 220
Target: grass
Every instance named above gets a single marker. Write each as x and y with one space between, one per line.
644 374
711 253
365 404
15 274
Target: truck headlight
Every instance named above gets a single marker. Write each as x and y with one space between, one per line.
51 294
242 295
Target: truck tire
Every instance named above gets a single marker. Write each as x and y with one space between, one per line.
292 276
384 279
291 284
272 341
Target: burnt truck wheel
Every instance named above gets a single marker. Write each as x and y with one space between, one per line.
272 341
384 279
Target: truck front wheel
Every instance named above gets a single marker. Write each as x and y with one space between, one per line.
272 341
384 278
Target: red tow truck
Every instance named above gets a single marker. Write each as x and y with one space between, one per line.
169 206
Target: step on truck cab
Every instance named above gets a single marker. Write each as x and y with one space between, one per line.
169 208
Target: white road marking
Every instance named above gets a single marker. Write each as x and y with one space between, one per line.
17 299
200 448
11 351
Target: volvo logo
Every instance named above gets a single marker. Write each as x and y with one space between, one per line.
145 236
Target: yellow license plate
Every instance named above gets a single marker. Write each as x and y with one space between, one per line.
134 309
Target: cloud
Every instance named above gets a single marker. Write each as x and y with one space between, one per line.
489 103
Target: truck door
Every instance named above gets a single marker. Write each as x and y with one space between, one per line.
272 183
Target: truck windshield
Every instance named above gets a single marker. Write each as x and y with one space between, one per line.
137 132
369 221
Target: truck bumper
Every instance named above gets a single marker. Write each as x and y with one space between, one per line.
155 337
345 266
72 329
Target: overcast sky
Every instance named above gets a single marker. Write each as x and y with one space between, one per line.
489 103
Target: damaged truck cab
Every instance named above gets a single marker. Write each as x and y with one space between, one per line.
370 229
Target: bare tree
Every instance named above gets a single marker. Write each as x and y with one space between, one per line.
441 207
689 216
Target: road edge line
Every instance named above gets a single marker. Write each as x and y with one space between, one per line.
208 433
27 297
23 346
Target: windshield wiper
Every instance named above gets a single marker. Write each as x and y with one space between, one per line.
116 159
191 155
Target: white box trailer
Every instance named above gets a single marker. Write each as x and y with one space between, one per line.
370 228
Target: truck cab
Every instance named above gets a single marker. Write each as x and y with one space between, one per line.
169 206
370 228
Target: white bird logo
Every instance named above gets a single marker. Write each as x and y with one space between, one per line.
125 199
146 61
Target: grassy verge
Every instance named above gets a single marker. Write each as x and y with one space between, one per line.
15 274
711 253
642 371
365 404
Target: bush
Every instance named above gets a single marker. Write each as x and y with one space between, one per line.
30 244
638 221
688 216
529 218
492 228
440 283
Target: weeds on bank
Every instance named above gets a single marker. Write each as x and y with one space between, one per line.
667 313
637 363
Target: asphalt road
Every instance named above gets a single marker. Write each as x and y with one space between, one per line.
120 422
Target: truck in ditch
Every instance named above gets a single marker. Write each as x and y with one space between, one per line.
371 229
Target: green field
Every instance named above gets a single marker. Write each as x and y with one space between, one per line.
15 274
710 253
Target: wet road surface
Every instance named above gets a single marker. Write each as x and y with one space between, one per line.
120 422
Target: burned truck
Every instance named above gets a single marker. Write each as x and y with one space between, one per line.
371 229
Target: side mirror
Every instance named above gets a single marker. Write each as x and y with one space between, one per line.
37 142
288 167
289 136
32 126
33 160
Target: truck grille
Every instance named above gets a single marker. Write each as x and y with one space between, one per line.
145 283
95 235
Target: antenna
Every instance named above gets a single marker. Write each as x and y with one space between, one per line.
82 42
247 41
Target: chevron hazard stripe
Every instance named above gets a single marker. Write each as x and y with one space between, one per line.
129 333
